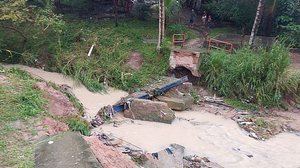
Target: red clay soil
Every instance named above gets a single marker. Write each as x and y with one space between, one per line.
53 127
3 79
108 156
135 60
59 104
295 58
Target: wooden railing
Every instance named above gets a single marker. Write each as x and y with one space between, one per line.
218 44
178 39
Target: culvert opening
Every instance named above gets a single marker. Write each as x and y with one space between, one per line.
181 71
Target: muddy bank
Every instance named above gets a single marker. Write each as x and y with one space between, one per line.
92 102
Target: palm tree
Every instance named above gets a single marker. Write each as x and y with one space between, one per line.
257 20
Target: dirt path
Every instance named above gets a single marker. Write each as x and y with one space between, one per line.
220 139
92 102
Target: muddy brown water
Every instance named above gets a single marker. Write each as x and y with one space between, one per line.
202 133
92 102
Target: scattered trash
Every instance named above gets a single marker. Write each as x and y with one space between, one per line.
243 152
194 161
50 142
155 155
170 157
97 121
253 135
250 156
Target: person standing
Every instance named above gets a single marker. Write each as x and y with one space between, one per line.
193 17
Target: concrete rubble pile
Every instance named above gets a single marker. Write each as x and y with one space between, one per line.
112 152
156 107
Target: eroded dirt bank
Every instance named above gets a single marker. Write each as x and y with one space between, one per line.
221 140
92 102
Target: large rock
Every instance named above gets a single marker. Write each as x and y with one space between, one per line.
181 103
171 157
150 111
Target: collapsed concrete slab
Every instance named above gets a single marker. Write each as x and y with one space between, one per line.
180 104
67 150
148 110
169 157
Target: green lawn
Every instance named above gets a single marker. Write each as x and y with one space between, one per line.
20 106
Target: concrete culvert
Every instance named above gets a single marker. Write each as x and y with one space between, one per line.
181 71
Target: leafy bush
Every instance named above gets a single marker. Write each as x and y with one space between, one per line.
142 10
255 77
177 29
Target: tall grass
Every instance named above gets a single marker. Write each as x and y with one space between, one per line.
253 76
108 61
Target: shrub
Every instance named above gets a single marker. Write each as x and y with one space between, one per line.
177 29
142 10
252 76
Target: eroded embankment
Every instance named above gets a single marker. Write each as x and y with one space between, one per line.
221 140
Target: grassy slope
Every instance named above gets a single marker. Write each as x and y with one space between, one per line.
20 105
113 45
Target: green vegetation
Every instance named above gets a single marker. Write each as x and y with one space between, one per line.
253 76
196 97
261 122
19 99
20 103
221 30
78 124
113 45
241 105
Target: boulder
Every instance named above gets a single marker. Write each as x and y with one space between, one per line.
181 103
169 157
148 110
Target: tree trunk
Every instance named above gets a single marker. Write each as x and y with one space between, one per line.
161 26
116 12
257 20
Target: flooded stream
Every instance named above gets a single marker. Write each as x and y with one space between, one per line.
220 140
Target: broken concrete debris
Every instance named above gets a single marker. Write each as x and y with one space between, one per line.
179 104
67 150
199 162
169 157
150 111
